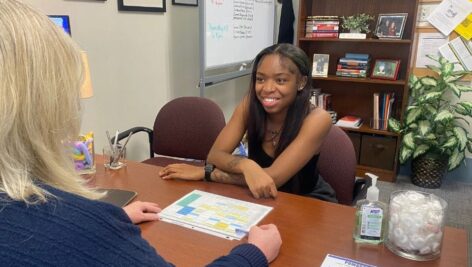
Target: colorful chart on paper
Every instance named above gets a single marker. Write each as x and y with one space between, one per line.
214 214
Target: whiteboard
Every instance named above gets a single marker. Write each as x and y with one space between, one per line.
235 31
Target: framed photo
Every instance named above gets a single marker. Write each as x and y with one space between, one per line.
386 69
320 65
185 2
142 5
391 25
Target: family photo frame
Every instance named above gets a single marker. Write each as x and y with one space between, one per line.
386 69
138 5
320 65
185 2
391 26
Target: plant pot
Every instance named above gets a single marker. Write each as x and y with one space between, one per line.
428 170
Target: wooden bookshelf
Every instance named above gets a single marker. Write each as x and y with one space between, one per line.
377 150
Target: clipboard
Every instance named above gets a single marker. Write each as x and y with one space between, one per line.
118 197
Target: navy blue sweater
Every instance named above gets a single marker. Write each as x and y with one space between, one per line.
70 230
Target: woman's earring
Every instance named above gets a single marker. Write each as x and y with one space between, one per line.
301 88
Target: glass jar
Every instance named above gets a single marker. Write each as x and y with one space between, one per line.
416 225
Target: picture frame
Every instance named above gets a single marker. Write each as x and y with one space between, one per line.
320 65
390 26
185 2
385 69
136 5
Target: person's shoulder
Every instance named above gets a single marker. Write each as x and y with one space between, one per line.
69 204
318 115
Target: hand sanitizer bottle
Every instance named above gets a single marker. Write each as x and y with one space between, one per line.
370 224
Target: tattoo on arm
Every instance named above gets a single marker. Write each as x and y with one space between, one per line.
227 178
235 161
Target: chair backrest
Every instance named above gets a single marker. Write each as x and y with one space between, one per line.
187 127
337 164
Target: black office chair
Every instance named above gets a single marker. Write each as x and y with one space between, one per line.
337 166
185 128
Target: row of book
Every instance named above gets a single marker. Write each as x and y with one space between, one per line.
383 104
353 65
322 26
319 99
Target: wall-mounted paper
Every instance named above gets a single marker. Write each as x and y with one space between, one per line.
449 14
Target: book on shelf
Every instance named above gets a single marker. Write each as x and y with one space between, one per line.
357 56
322 35
320 65
350 122
382 110
349 35
322 27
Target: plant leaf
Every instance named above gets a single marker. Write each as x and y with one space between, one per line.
464 88
435 58
443 60
430 109
447 68
461 135
394 125
464 108
412 115
454 89
452 78
450 143
405 154
434 68
430 96
469 147
429 81
424 127
455 159
413 79
409 141
430 136
444 115
420 150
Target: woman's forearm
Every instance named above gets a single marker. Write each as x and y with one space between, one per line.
220 176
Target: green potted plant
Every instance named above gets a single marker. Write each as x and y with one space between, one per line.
433 131
357 23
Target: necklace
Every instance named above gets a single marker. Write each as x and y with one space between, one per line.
273 137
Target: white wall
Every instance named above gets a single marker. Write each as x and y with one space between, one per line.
138 62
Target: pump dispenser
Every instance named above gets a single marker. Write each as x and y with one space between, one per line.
370 224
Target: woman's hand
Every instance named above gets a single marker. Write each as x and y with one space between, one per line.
259 182
140 211
182 171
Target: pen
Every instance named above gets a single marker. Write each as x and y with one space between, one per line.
124 145
109 140
116 140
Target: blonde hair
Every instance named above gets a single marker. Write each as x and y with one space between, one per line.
40 78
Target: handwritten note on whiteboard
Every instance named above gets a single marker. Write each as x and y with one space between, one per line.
236 30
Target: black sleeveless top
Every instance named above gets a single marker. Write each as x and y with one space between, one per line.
301 183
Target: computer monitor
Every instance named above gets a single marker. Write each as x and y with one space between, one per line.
61 21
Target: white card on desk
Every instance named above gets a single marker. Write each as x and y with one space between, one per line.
336 261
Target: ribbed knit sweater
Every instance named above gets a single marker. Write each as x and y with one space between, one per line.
70 230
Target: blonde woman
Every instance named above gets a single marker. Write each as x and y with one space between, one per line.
47 216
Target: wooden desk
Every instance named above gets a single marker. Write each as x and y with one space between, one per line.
310 228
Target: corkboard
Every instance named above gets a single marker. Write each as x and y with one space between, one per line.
425 71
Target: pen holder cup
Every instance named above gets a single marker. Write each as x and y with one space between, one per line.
115 158
83 154
416 225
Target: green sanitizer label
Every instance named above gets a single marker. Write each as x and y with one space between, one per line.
371 223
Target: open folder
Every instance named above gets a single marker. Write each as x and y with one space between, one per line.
118 197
